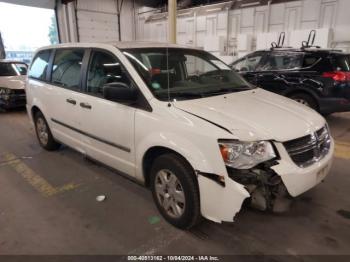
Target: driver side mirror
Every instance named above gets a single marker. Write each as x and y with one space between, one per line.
119 92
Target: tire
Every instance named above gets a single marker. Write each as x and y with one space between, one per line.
305 99
174 185
44 134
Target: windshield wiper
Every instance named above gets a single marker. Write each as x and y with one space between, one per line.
185 94
227 90
175 95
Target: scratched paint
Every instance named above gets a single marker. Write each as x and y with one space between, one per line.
36 181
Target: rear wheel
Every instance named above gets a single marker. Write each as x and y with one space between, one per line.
43 133
175 191
305 99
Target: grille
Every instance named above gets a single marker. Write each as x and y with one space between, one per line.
306 150
18 91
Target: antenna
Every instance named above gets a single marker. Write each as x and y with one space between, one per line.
167 70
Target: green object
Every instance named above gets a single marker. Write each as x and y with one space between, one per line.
153 220
155 85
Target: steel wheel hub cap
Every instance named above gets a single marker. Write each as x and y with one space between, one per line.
170 193
42 131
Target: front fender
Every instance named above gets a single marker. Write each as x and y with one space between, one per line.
172 141
218 203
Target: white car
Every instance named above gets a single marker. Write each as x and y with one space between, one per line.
12 83
181 122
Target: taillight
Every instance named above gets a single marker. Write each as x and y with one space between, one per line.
338 76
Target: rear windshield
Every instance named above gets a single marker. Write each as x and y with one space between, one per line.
13 69
342 63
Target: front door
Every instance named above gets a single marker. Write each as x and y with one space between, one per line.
108 126
280 71
247 66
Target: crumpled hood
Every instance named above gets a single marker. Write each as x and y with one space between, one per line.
13 82
256 115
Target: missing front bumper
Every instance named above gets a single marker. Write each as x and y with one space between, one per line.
266 188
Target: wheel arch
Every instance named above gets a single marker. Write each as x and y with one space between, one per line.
303 91
35 109
153 153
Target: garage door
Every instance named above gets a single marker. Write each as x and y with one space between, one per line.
97 21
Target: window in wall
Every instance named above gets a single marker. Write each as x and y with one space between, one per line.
39 65
66 67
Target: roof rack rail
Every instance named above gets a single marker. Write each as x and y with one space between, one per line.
280 43
310 41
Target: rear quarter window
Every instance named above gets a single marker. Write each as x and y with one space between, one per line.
342 63
38 68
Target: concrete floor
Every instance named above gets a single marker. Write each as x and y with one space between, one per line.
48 206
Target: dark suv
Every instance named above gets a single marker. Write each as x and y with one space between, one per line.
318 78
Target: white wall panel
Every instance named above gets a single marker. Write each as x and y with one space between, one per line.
260 22
97 27
201 23
292 17
222 20
256 21
327 15
277 14
234 22
247 19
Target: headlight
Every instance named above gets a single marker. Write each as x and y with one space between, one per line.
245 155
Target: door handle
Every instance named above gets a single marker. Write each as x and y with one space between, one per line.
71 101
85 105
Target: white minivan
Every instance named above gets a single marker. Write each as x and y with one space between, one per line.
178 120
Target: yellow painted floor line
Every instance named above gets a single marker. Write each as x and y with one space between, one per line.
39 183
342 150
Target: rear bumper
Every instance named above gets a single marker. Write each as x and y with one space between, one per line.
13 101
333 105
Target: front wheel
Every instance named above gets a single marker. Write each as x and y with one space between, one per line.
43 133
175 191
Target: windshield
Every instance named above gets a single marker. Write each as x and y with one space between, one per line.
13 69
182 74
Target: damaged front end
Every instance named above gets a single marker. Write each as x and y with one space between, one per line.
265 186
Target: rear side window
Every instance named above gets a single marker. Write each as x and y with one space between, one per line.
310 60
66 68
39 65
342 63
282 61
248 63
